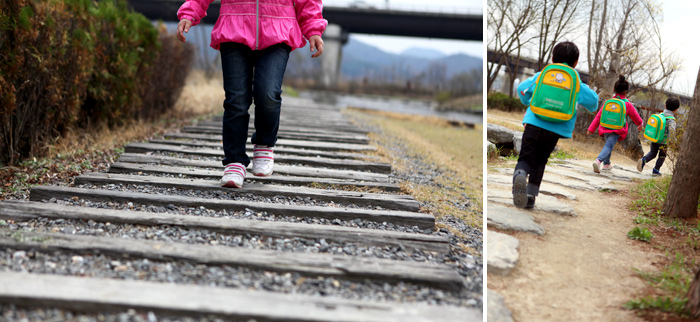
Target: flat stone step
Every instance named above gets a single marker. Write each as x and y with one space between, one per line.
25 210
543 203
83 294
548 189
279 168
507 218
553 177
497 310
359 139
282 155
387 201
402 218
214 141
124 167
310 264
502 255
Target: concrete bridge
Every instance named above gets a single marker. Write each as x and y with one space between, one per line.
344 20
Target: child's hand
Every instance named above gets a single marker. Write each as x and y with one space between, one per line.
640 128
315 42
590 133
183 26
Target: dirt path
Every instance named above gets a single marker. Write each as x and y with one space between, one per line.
581 268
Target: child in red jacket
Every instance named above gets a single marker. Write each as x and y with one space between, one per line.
612 136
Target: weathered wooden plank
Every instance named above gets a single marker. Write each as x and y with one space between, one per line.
82 294
403 218
281 155
377 167
288 135
24 210
125 167
388 201
315 126
279 168
215 141
310 264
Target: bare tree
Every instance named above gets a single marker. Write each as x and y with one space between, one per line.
507 22
684 191
556 21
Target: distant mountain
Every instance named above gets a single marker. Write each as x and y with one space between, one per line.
423 53
359 59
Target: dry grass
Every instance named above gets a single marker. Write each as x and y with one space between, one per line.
456 151
94 149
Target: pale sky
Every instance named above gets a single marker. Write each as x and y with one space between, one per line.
398 44
680 23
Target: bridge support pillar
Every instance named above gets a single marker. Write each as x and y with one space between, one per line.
333 38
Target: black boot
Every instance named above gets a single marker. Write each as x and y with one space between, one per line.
532 192
519 188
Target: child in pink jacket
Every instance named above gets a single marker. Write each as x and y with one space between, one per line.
612 136
255 38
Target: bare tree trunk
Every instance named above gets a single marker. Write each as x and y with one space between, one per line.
593 71
684 191
693 295
588 44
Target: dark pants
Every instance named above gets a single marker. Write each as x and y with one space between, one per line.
537 145
251 75
656 148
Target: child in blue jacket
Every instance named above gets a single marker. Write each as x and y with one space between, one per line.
540 136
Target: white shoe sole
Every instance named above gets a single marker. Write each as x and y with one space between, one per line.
596 168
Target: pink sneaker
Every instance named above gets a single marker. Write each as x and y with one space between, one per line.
596 166
234 174
607 167
263 160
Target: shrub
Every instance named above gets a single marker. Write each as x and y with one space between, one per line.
504 102
67 64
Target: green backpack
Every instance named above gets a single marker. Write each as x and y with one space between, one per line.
614 114
655 131
556 93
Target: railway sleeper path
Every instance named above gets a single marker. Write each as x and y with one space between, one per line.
327 237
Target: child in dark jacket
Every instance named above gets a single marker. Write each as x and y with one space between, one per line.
672 105
541 136
611 136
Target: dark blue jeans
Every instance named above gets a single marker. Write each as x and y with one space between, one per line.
251 76
610 141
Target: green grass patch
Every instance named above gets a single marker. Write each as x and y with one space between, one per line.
641 234
561 154
673 281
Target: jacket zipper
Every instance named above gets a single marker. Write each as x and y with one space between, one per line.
257 23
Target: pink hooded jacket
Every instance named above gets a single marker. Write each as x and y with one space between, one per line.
631 112
259 24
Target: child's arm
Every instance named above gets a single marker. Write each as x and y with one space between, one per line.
596 122
632 113
588 98
191 13
526 88
309 17
194 10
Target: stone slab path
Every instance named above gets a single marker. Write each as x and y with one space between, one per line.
567 272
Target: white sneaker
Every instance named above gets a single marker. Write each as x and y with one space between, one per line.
596 166
263 160
234 174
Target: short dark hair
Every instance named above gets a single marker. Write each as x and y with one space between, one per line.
565 52
672 103
621 85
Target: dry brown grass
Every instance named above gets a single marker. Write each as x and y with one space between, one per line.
200 97
95 149
456 151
